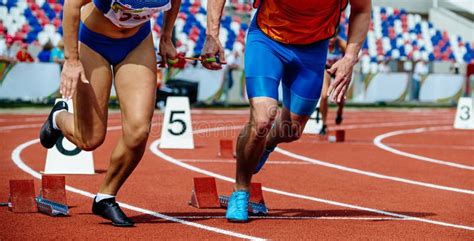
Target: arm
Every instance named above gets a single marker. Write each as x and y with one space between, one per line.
214 14
358 27
73 70
167 49
212 46
342 43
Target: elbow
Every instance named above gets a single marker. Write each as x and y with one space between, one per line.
361 7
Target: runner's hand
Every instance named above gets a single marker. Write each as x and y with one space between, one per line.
212 48
342 70
167 52
72 72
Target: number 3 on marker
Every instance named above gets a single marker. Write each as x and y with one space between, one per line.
179 121
465 110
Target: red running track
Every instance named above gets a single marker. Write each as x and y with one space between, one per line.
314 189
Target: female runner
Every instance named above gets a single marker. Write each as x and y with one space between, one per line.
105 40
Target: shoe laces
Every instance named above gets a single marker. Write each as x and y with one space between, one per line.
240 199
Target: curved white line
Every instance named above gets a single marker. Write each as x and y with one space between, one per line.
154 149
313 161
378 142
372 174
19 162
276 191
387 124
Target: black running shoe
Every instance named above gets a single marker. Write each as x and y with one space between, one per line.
338 119
109 209
49 135
323 130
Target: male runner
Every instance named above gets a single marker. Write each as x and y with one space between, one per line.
287 42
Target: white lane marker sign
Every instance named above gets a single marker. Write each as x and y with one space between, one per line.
464 114
177 131
67 158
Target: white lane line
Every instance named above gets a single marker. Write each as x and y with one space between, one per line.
310 160
429 146
394 144
19 162
233 161
302 218
154 149
386 124
15 127
378 142
372 174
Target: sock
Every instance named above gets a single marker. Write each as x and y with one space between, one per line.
55 126
101 196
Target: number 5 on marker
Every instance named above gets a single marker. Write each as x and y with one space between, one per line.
181 123
464 114
177 132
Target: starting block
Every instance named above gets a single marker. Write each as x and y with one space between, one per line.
52 199
204 195
256 194
50 207
54 188
339 136
22 196
226 149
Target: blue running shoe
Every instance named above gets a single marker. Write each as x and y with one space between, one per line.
263 159
237 209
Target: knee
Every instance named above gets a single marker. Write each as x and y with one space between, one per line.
136 134
262 126
92 143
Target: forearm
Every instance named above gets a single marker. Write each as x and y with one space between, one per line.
358 26
71 19
214 14
170 18
342 44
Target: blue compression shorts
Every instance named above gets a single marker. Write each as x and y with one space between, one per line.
112 49
300 67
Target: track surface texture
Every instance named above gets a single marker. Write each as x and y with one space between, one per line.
401 174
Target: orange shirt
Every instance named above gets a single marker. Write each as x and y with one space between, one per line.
300 21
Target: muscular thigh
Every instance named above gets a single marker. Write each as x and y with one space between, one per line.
303 78
91 100
263 65
135 83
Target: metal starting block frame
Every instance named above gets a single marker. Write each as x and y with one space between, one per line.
50 207
254 208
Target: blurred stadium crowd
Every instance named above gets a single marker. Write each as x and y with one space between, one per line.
35 26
